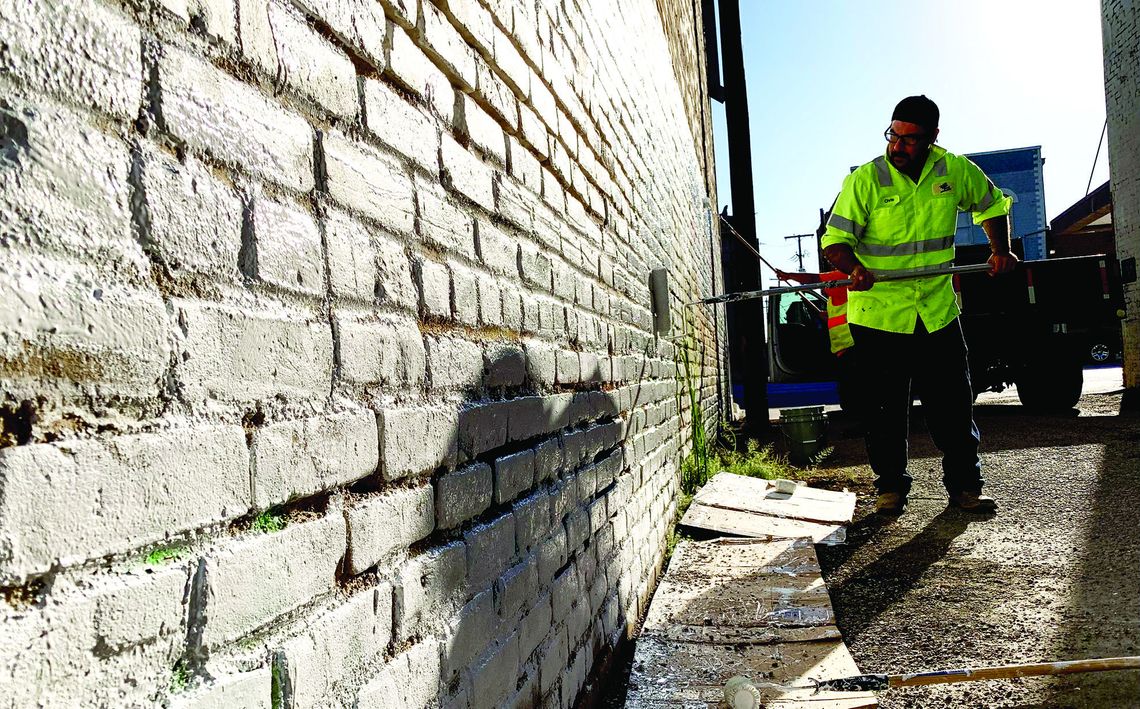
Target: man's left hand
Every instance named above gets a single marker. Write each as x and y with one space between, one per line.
1001 263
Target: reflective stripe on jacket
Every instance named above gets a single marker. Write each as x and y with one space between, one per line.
895 224
838 331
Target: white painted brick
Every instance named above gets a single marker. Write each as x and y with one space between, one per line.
474 21
139 607
516 204
405 13
216 18
490 302
483 427
411 68
298 458
463 495
447 48
512 307
379 526
252 581
233 354
380 350
513 474
496 95
554 655
453 363
401 125
532 520
510 63
533 132
517 587
504 365
287 250
535 267
75 51
68 502
548 459
430 588
234 122
337 646
417 440
464 295
249 690
366 265
552 192
77 332
543 101
494 674
472 631
411 679
360 24
362 179
535 627
434 283
523 165
497 250
490 550
58 199
442 223
467 174
569 368
193 220
483 130
278 40
540 363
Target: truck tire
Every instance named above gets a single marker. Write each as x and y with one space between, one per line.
1053 388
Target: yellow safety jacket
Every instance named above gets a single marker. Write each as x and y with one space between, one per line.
894 224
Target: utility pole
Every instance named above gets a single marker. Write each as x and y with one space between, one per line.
800 246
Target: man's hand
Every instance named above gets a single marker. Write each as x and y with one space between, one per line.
1001 262
861 278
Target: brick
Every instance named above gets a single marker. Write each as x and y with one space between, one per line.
497 250
193 221
483 427
74 51
411 679
523 166
568 367
254 580
68 502
513 474
364 180
409 67
232 354
447 48
434 283
494 94
510 63
443 224
233 122
281 43
490 550
286 249
337 646
472 631
464 295
298 458
401 125
516 587
548 459
379 526
366 265
532 520
495 672
535 267
504 365
380 350
453 363
483 130
77 332
554 656
540 363
252 690
463 495
417 440
536 627
551 554
542 100
466 174
490 302
532 131
429 588
516 204
512 307
359 24
473 21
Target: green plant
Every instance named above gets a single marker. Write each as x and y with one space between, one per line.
269 521
165 554
179 677
698 466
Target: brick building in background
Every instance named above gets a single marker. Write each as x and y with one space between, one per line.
1121 36
327 362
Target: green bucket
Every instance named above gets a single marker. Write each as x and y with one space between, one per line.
803 429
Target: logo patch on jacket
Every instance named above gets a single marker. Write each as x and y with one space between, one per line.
893 199
943 188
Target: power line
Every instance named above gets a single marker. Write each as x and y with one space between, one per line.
1098 144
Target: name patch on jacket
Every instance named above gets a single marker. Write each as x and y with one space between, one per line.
942 188
893 199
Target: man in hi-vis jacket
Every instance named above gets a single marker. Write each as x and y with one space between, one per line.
899 213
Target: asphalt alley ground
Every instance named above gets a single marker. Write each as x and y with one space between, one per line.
1054 575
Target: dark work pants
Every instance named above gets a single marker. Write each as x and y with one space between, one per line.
936 364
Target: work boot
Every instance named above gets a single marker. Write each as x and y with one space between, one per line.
972 501
890 503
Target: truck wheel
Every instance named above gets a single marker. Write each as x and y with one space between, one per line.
1052 389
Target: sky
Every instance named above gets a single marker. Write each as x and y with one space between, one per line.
824 75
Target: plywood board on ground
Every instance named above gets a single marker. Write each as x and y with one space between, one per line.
738 492
761 526
747 607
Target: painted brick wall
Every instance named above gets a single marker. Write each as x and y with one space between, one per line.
327 367
1121 37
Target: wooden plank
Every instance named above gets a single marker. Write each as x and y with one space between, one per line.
759 526
747 607
738 492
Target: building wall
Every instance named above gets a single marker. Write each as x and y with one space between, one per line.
327 360
1121 37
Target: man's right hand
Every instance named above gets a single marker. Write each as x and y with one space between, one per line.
861 278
